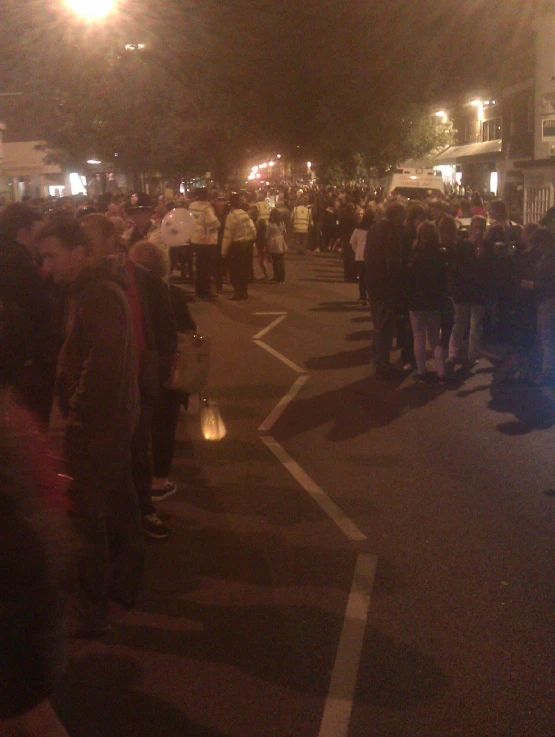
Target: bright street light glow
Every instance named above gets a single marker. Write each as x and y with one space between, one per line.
271 163
440 113
309 164
476 103
91 9
279 156
93 161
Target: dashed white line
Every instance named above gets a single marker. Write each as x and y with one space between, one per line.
276 413
269 327
347 526
339 703
280 357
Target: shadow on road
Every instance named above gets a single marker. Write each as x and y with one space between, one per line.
354 409
101 696
396 676
531 407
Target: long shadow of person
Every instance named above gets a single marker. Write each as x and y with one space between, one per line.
532 408
100 696
354 409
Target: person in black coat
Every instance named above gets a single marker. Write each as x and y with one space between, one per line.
166 411
385 278
426 294
27 342
471 287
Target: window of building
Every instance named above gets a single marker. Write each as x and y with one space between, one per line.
491 129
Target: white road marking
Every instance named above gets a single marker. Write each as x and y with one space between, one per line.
269 327
339 703
280 356
349 529
276 413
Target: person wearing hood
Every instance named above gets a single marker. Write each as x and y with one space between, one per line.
97 392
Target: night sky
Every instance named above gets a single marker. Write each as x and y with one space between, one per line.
296 66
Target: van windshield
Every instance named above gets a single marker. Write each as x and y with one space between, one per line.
416 193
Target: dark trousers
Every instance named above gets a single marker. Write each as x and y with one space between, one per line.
278 262
204 259
360 267
164 425
240 265
384 316
349 268
182 256
140 457
112 558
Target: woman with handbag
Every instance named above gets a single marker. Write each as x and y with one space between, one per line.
166 412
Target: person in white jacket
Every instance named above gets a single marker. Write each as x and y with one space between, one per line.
204 241
276 244
358 242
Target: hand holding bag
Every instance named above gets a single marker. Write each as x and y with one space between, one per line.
191 364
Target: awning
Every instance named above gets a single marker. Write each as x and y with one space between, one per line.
452 154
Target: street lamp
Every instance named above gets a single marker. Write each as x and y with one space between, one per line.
91 10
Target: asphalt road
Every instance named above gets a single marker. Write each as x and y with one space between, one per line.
369 559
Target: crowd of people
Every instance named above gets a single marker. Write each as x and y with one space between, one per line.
89 323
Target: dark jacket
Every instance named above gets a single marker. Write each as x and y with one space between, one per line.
544 277
471 278
384 261
97 373
427 280
27 353
35 551
159 322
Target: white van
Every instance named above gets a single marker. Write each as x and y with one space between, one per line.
415 184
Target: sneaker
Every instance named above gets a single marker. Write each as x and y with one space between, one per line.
158 494
154 527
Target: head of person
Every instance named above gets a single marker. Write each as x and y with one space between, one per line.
548 220
395 212
368 220
275 216
236 200
478 226
101 233
19 222
147 254
64 249
544 240
477 200
415 215
201 193
498 211
220 206
447 231
426 236
435 209
139 210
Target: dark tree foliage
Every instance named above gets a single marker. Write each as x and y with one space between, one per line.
219 79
